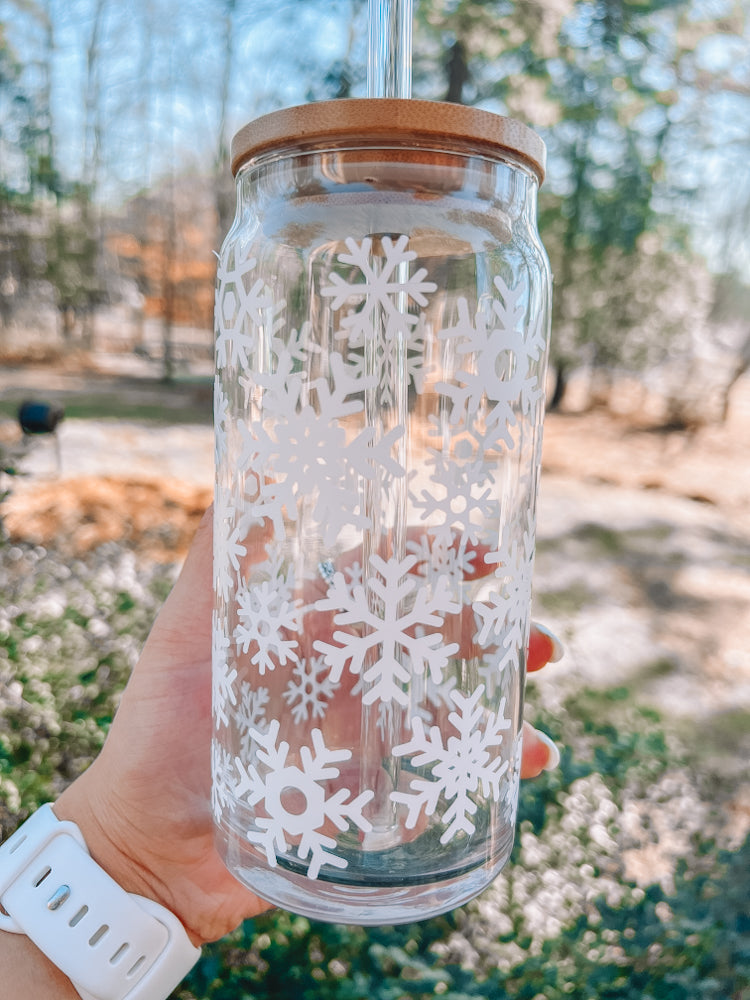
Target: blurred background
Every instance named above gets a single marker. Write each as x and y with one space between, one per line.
632 870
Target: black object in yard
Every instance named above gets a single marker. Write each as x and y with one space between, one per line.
39 418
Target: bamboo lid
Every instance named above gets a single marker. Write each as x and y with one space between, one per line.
390 122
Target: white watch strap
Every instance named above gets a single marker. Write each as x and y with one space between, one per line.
111 944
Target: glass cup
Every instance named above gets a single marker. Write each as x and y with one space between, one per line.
382 314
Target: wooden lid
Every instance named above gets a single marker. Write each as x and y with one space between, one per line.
389 121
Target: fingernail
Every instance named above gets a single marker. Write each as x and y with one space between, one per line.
553 760
558 649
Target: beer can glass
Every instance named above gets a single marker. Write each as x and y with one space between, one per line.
382 318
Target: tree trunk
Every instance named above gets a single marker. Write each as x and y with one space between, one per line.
558 390
168 290
458 73
743 365
88 328
224 183
67 323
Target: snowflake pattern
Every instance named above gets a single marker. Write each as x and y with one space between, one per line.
390 632
462 497
310 689
385 283
387 358
446 557
222 782
223 675
268 614
229 533
297 800
304 454
297 449
509 795
251 714
221 412
504 614
464 765
383 294
241 306
500 362
433 699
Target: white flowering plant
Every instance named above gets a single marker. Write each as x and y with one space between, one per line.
571 914
70 633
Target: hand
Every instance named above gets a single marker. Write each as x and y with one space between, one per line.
144 805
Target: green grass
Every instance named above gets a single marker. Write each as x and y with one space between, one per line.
725 735
567 600
605 539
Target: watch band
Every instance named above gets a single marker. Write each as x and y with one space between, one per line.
111 944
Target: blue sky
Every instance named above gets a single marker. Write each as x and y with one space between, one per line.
158 71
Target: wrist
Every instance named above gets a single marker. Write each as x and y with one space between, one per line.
27 972
112 944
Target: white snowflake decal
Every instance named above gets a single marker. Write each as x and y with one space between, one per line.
491 670
499 362
267 614
432 699
241 307
223 677
229 534
463 496
460 768
509 797
282 387
390 632
221 417
277 388
386 284
295 344
355 575
222 782
505 614
384 294
251 713
310 689
438 557
297 801
396 363
303 453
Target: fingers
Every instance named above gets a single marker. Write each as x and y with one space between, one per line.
539 752
544 648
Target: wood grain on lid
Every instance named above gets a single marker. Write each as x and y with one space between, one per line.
383 121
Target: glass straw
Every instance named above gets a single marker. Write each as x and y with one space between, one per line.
388 75
389 48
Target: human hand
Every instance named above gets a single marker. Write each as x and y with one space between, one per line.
144 805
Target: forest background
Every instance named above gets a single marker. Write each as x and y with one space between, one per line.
631 870
115 122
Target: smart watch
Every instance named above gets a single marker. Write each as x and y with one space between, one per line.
111 944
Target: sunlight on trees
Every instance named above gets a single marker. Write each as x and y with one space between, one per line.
644 107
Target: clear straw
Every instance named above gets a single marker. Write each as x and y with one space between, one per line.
389 48
388 75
